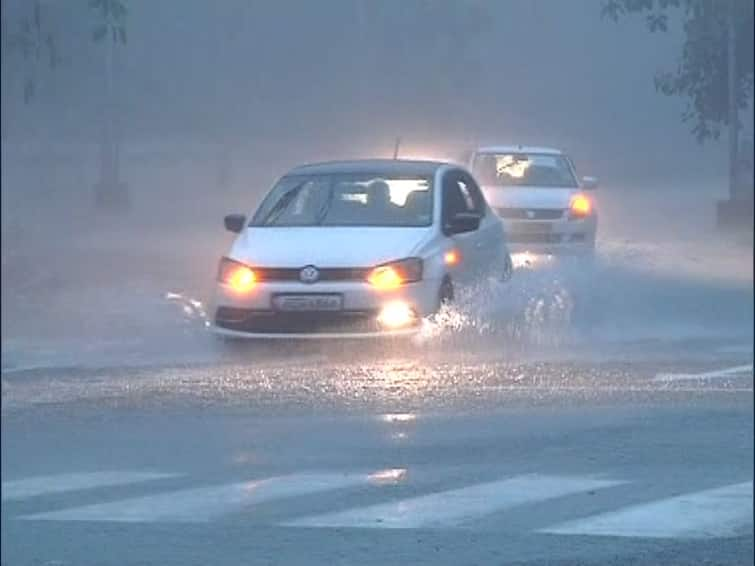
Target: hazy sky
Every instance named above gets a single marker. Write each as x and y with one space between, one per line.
326 78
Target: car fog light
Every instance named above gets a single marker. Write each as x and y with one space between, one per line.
396 315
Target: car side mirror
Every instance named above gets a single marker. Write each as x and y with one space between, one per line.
462 222
234 222
589 183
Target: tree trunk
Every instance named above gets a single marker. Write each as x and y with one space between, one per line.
734 188
110 192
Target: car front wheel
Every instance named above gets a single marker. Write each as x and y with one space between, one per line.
446 292
508 269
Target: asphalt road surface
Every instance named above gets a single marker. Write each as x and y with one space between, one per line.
642 455
606 417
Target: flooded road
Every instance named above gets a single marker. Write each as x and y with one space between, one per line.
583 413
316 461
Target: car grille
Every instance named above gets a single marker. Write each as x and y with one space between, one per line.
530 213
272 322
325 274
514 238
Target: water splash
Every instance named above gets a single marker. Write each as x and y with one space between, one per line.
192 309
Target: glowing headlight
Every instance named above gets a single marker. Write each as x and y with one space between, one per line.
451 257
580 206
395 274
396 315
241 278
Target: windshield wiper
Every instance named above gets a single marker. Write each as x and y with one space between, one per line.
282 205
325 207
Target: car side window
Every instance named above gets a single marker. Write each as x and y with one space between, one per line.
472 194
454 201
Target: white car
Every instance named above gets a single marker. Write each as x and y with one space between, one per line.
535 190
356 249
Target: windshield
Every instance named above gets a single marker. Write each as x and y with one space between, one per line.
523 170
347 200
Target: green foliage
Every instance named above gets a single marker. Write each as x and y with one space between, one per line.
702 72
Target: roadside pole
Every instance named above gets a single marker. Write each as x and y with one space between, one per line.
733 114
735 212
110 192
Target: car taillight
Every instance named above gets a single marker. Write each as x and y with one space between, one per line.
394 274
240 277
580 206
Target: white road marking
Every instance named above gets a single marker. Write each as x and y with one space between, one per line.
720 512
450 508
202 504
717 374
41 485
735 349
28 367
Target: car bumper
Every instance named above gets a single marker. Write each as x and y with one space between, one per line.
253 314
220 331
560 237
553 249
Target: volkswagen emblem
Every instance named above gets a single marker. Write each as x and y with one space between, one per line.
309 274
530 214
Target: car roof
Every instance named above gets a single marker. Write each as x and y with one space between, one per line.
519 149
386 166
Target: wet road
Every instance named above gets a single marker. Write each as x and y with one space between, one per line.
578 416
641 453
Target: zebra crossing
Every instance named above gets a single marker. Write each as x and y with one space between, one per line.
718 511
454 507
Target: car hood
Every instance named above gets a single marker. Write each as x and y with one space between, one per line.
327 246
529 197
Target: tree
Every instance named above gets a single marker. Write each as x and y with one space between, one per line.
715 70
110 30
33 44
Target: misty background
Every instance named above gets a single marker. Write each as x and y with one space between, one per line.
215 100
289 81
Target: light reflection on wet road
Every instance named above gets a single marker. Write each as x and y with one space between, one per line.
568 395
397 386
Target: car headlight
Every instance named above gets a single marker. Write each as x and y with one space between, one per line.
394 274
580 206
396 314
240 277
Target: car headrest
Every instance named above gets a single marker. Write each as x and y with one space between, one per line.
380 193
415 200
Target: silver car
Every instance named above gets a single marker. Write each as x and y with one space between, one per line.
357 249
535 191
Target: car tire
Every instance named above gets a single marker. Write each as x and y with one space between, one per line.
446 292
508 269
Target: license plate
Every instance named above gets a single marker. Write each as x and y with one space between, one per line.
530 227
307 303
